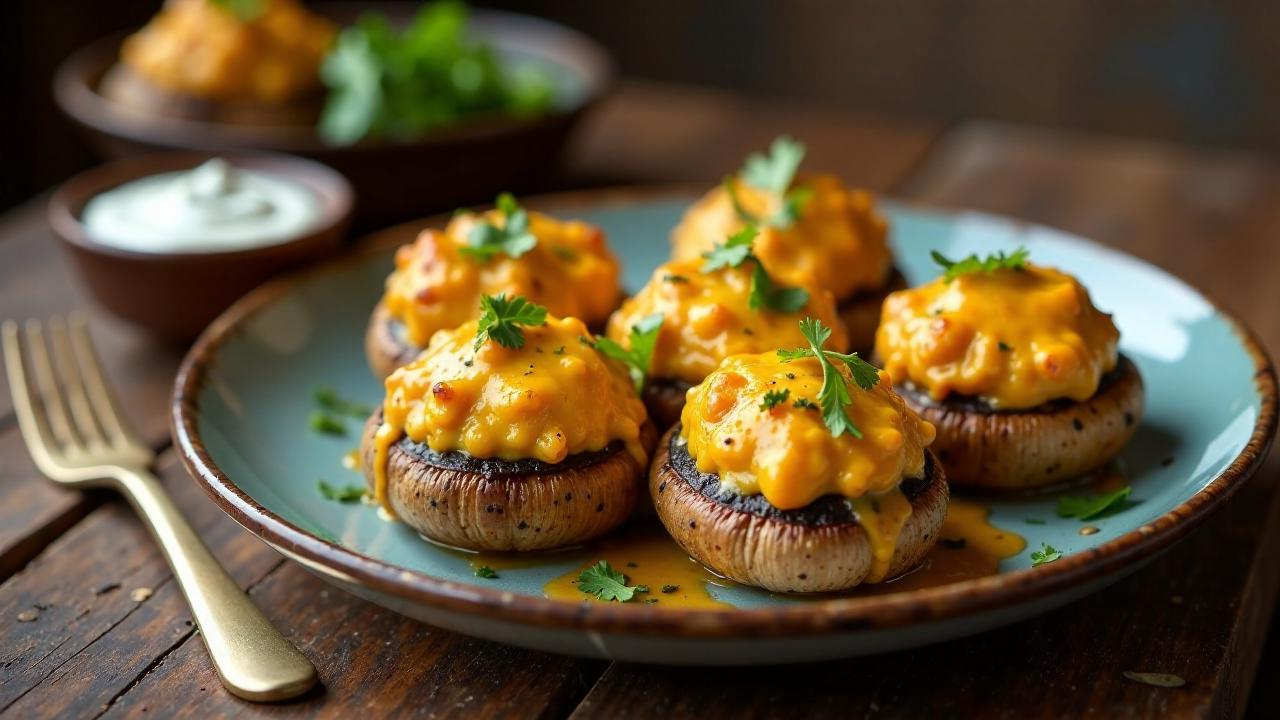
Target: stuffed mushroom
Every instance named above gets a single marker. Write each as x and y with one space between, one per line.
814 232
800 472
439 279
510 433
1016 368
694 313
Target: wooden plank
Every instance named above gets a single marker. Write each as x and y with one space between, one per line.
1201 611
660 133
35 511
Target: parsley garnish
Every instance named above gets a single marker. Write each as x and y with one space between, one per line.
500 319
1095 506
328 399
1004 347
774 174
804 404
604 582
1034 521
834 396
325 423
644 336
484 571
512 239
668 589
341 493
772 398
672 278
737 250
1016 260
1046 554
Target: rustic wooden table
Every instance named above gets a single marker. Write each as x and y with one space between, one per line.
86 645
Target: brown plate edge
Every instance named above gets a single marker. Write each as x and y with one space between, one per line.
845 614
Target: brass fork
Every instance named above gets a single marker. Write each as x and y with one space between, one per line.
77 436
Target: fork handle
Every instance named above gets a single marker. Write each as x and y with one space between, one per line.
253 660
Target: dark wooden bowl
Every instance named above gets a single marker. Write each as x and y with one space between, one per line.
177 294
394 180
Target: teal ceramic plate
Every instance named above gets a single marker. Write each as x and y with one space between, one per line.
245 392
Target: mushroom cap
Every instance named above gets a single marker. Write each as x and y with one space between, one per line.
664 399
386 343
817 548
861 312
1048 444
503 505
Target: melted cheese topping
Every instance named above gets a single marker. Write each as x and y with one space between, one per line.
197 48
838 244
552 398
707 317
788 454
434 287
1016 339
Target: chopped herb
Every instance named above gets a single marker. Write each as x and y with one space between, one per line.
642 588
558 351
834 396
773 173
500 319
639 356
328 399
484 571
650 601
1046 554
772 398
1034 521
243 10
512 239
341 493
564 253
673 278
737 250
1164 680
1016 260
323 422
604 582
1095 506
1004 347
668 589
804 404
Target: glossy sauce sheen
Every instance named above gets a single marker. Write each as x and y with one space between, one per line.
1014 338
570 271
552 398
971 548
837 245
707 317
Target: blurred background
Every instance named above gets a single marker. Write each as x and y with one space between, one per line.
1184 70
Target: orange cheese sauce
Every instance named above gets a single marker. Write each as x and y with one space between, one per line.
1014 338
196 47
707 317
838 244
571 272
787 453
552 398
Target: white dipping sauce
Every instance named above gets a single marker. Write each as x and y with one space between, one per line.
213 208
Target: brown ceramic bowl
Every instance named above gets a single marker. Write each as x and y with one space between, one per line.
395 180
177 294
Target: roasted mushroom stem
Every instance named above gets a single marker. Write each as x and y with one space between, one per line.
502 505
817 548
1045 445
860 312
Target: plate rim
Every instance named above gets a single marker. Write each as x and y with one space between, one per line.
915 607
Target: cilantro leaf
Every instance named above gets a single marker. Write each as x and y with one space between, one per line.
732 252
604 582
771 297
500 319
513 239
793 203
775 171
1046 554
834 396
1095 506
341 493
644 337
772 398
1016 260
327 398
327 424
